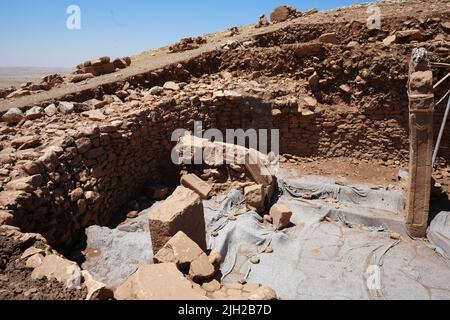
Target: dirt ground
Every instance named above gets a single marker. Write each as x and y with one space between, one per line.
16 282
17 76
346 170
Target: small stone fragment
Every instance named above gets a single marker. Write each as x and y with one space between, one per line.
255 260
201 269
281 216
263 294
13 116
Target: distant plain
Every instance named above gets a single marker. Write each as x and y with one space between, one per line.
15 76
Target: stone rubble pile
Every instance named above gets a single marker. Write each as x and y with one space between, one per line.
47 263
233 31
48 82
101 66
262 22
6 92
182 270
284 13
249 171
88 109
187 44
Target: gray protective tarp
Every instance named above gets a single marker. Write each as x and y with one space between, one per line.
316 259
439 233
363 196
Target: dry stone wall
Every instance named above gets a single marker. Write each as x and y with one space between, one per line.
82 178
63 173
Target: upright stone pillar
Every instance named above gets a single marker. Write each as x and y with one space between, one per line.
421 111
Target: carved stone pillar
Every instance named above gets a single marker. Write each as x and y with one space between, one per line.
421 111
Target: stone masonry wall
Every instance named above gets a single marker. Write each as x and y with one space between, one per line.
81 179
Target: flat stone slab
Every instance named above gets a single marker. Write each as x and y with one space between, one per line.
158 282
193 182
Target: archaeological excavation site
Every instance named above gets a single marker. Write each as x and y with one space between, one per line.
305 157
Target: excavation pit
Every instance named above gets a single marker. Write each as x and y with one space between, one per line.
336 106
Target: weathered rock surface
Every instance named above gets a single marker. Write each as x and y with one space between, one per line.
263 293
82 77
95 289
179 250
64 271
254 197
182 211
201 269
51 110
158 282
26 142
34 113
6 217
283 13
94 115
202 188
330 38
13 116
281 216
66 107
27 184
170 85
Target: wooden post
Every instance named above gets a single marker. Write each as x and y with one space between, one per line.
421 111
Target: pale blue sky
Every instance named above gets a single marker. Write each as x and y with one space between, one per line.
34 32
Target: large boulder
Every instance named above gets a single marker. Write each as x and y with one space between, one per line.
56 267
182 211
179 250
97 68
158 282
120 63
259 167
81 77
187 255
191 181
51 110
280 14
283 13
